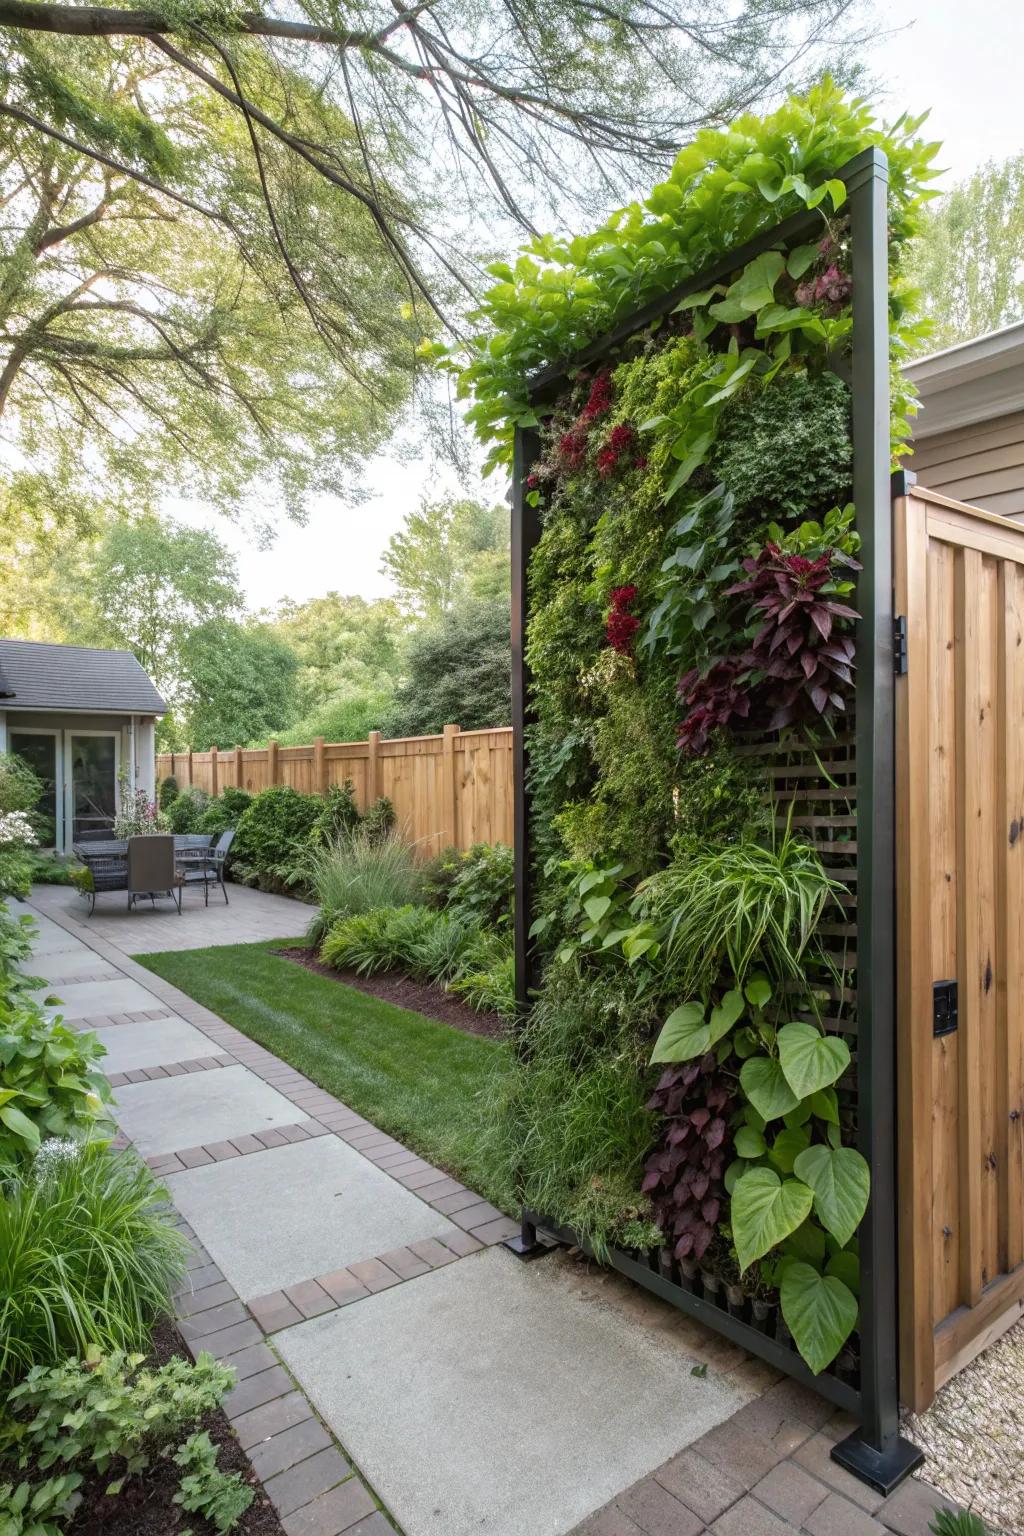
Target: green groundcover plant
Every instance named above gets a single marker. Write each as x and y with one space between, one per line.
693 592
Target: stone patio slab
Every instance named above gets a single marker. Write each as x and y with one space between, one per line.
488 1396
87 999
57 965
153 1044
169 1114
298 1211
251 917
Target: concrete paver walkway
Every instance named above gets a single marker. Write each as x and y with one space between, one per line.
371 1316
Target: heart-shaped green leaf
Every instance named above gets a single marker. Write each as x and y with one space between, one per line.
725 1015
684 1035
763 1082
846 1267
596 907
765 1210
749 1143
758 991
841 1181
811 1060
786 1148
820 1312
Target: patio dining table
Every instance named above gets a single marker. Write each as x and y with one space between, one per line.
107 860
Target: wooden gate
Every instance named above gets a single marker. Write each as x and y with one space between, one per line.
959 581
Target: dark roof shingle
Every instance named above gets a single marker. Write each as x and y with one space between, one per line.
34 675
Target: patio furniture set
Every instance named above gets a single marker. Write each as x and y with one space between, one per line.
155 865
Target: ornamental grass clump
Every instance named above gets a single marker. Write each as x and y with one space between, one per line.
88 1257
741 905
359 873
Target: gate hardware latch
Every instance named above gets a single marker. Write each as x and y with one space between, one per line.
944 1008
899 644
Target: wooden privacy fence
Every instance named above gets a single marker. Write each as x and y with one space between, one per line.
455 788
959 576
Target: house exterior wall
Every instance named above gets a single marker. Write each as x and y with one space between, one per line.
982 464
136 746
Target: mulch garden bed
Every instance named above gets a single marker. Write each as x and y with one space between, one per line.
146 1507
424 997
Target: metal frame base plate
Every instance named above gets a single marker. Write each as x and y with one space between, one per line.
881 1470
525 1250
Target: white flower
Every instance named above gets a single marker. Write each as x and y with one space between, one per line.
16 827
53 1156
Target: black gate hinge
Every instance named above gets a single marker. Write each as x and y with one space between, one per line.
899 644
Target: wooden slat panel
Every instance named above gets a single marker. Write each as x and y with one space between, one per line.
969 694
913 883
943 903
1008 840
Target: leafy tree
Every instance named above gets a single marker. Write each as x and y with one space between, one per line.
459 670
240 684
417 117
447 550
151 585
152 335
969 259
345 646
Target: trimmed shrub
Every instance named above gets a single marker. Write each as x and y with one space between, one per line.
185 812
168 791
337 817
226 811
484 885
273 837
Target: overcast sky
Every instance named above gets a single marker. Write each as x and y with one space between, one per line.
961 60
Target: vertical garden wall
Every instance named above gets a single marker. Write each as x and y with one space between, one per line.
696 402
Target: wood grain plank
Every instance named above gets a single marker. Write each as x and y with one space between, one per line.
913 978
968 596
1008 855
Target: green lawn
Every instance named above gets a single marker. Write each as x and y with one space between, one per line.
421 1081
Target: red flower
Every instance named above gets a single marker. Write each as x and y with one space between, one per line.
600 398
572 446
620 440
532 482
621 626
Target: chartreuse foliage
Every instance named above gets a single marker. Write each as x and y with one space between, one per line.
723 190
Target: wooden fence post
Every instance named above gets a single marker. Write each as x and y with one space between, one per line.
373 784
239 769
190 767
214 791
319 766
272 764
448 782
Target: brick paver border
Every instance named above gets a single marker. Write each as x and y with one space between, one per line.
169 1069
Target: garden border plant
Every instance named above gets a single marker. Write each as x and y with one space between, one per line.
573 294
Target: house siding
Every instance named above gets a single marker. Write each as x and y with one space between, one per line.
982 464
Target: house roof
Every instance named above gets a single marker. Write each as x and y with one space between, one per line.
974 381
75 678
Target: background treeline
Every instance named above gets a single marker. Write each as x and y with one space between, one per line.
335 666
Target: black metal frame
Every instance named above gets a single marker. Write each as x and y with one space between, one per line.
876 1452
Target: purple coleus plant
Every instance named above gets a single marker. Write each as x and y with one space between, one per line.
800 660
684 1174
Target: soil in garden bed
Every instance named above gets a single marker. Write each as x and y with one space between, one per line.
146 1506
417 996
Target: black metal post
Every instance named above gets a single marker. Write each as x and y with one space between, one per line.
525 533
875 1452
